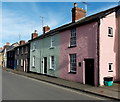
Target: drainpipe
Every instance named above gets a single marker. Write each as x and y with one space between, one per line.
98 50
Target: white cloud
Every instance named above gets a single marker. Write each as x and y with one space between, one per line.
15 23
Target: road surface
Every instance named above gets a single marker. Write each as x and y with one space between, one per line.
17 87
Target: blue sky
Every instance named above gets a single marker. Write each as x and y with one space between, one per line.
22 18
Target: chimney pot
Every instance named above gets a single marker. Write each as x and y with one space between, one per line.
46 29
22 42
75 4
35 34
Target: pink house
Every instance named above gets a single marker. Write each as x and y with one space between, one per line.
89 47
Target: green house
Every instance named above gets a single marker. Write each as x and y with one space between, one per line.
44 53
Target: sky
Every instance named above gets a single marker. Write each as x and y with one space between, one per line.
20 19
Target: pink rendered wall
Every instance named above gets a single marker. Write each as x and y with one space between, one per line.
108 47
86 48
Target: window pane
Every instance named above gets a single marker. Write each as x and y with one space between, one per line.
110 66
73 37
73 62
110 31
52 41
52 62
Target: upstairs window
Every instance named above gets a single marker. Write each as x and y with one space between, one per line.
110 31
21 62
52 41
18 51
73 63
11 54
22 50
34 46
73 37
52 62
26 49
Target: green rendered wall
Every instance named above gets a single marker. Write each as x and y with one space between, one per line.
43 49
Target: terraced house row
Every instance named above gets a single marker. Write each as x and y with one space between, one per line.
85 50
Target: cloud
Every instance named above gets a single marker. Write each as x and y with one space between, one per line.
16 23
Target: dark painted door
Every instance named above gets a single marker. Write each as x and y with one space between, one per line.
15 64
89 71
45 65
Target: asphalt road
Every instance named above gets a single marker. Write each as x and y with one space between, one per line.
17 87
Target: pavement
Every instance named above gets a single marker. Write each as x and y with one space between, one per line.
112 92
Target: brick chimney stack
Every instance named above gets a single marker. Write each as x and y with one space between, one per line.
35 34
7 43
77 13
46 29
22 42
1 48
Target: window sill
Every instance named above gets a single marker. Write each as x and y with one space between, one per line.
72 46
72 72
33 50
52 47
110 71
51 69
110 35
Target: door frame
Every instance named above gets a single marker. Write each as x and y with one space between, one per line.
24 66
44 65
84 70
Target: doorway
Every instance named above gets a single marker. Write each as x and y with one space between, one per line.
89 71
45 65
24 65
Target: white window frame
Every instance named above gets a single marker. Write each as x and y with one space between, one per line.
34 45
110 65
33 61
21 62
18 51
17 62
52 41
52 62
73 61
110 31
22 50
73 37
26 49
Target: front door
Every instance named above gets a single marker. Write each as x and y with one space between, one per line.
45 65
89 71
24 65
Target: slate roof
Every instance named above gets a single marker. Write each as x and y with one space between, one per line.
94 17
22 45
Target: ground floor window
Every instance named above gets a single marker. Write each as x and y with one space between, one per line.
17 62
21 62
52 62
33 62
72 62
110 67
